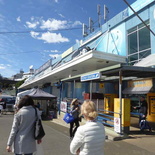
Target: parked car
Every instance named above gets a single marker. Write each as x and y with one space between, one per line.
7 102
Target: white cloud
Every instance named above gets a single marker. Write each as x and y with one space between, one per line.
2 66
53 55
18 19
77 41
31 67
2 18
34 34
56 1
61 15
8 65
53 38
32 25
53 24
50 24
76 23
54 51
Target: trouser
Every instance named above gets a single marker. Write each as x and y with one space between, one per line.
144 118
72 131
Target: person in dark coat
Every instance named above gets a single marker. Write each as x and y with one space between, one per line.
75 110
143 108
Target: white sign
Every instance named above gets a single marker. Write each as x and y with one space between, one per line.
63 106
91 77
117 125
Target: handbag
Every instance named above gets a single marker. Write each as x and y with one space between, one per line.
39 132
68 118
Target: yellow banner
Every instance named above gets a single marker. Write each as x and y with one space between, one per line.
140 83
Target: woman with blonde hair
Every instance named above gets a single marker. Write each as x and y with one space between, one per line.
89 138
75 111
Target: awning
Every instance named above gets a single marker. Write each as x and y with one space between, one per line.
147 61
137 90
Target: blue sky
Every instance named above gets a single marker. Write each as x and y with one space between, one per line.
34 31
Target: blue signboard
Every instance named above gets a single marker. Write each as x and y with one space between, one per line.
90 77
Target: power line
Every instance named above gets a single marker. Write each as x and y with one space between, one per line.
67 29
17 53
139 17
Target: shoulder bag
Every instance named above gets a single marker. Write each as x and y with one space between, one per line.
68 118
39 132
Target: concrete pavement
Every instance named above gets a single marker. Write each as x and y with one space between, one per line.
56 141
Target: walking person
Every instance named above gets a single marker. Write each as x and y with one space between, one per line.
89 138
22 133
75 110
143 108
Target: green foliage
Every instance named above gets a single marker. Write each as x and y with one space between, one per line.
18 84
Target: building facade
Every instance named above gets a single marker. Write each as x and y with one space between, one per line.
124 39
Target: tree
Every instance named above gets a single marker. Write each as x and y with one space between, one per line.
18 84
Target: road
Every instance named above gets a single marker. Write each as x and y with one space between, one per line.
56 141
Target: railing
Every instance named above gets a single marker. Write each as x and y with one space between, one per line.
106 117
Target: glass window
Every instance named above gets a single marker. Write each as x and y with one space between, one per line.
143 25
144 54
139 43
144 39
132 30
132 42
132 63
133 57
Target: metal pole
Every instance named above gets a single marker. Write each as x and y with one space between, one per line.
74 90
120 98
61 90
97 105
91 90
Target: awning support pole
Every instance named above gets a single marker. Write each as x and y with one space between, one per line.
91 84
74 90
120 97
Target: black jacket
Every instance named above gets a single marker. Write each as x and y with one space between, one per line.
143 107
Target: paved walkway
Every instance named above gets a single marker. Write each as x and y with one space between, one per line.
145 140
57 141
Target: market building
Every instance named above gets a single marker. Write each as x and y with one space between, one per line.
114 61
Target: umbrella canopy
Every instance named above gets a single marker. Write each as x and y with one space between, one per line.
40 94
23 93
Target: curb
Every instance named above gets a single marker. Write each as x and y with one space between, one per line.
113 136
